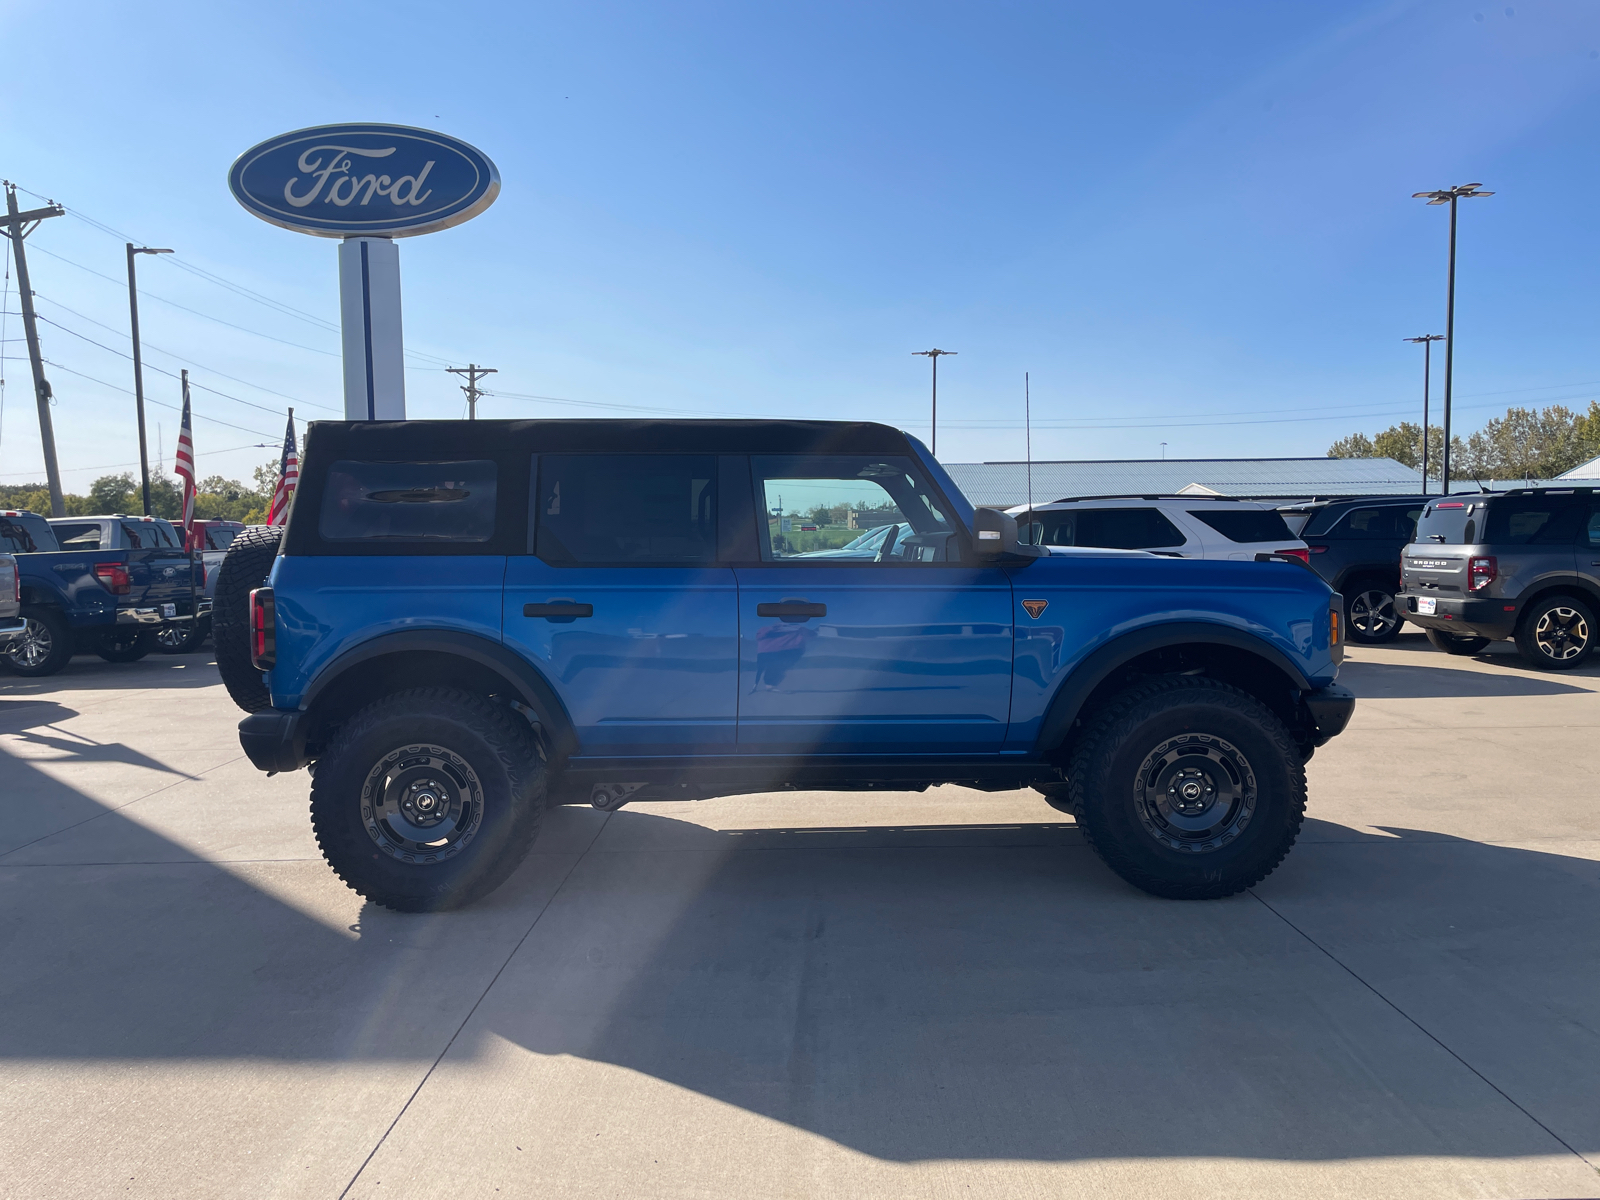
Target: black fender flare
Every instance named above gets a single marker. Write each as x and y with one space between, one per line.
523 678
1067 704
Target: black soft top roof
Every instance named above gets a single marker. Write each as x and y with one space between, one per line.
430 439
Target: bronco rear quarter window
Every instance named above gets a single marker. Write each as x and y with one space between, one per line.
428 502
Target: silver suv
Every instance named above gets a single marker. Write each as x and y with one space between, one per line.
1522 564
1174 526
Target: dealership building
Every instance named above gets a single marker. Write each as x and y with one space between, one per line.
1005 484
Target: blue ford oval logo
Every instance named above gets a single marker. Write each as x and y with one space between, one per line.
364 180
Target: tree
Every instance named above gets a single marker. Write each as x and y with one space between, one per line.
113 494
1523 444
1357 445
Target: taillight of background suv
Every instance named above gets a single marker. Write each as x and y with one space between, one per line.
1482 570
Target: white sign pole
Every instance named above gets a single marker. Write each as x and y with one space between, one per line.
374 350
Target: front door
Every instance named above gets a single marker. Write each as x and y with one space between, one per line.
853 644
623 604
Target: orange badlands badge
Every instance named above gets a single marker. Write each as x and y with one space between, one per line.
1035 607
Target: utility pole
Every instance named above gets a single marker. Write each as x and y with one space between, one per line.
1427 341
14 223
935 354
138 367
1450 196
472 371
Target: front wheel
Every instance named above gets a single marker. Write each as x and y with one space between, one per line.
45 645
1556 634
1456 643
1188 788
428 799
125 645
184 637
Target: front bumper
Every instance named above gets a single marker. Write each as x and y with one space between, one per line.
153 616
274 740
11 628
1330 710
1482 616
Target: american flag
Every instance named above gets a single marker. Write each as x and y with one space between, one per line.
288 478
185 467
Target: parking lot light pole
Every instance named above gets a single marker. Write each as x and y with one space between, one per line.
934 355
138 367
1427 341
1450 196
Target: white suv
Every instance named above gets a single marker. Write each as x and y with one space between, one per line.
1176 526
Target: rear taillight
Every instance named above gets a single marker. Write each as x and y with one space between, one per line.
1299 552
1481 572
113 577
263 630
1317 549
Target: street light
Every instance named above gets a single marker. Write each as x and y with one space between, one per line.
138 367
1427 341
1449 196
935 354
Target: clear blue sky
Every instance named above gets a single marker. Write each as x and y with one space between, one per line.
1191 222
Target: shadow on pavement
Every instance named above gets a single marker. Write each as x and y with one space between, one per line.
914 992
90 673
1407 681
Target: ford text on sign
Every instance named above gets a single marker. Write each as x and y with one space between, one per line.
364 180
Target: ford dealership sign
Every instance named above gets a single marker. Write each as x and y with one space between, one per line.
364 181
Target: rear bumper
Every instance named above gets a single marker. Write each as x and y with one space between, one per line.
1489 617
1330 710
274 740
11 628
152 616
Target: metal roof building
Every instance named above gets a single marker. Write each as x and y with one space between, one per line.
1004 484
1583 473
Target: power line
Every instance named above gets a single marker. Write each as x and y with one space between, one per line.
161 404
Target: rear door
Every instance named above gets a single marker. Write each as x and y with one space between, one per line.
1589 545
623 604
906 652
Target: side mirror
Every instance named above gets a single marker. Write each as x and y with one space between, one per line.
994 538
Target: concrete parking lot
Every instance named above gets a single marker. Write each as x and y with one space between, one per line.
808 994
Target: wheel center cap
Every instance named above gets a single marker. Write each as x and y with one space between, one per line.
1191 793
425 803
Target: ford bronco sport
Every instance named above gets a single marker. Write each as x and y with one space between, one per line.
465 622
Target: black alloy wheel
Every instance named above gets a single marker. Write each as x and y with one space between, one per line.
125 645
1188 788
1370 615
428 799
1556 633
1456 643
45 645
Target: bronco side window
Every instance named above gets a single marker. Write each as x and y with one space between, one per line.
626 509
820 509
409 502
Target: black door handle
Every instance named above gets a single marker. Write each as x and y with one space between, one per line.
558 610
792 610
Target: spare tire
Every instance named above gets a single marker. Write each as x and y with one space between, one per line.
245 568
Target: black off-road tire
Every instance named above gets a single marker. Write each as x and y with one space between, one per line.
466 753
1143 735
125 645
44 648
1557 633
1456 643
244 568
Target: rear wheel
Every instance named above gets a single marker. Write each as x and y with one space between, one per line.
244 569
1188 788
125 645
1456 643
428 799
1370 614
1557 633
45 645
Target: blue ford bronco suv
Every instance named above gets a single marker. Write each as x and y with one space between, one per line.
467 622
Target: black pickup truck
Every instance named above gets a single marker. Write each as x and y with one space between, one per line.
109 602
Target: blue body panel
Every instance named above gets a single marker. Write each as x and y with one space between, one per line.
653 672
1093 600
65 579
327 606
909 659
